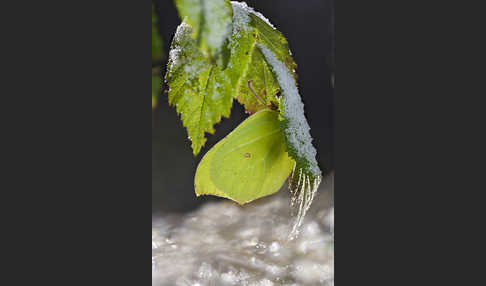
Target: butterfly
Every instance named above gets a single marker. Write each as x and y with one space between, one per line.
249 163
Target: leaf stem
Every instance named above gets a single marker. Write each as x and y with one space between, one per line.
254 93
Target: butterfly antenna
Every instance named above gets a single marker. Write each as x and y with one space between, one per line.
254 93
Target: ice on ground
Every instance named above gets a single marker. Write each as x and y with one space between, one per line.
223 243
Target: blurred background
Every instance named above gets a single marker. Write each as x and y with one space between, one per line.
309 28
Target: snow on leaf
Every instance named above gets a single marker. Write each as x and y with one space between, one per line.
212 22
306 176
200 90
294 123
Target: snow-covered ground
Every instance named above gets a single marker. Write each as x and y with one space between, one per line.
225 244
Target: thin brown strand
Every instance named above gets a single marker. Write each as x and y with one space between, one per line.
254 93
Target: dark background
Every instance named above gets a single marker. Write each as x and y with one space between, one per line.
308 27
409 141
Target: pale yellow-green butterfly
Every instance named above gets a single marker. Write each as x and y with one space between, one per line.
249 163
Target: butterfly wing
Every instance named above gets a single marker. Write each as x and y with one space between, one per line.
249 163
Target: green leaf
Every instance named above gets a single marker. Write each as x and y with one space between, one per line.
248 164
157 48
211 21
262 83
188 73
274 41
249 29
201 92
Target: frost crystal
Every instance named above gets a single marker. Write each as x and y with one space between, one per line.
302 196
